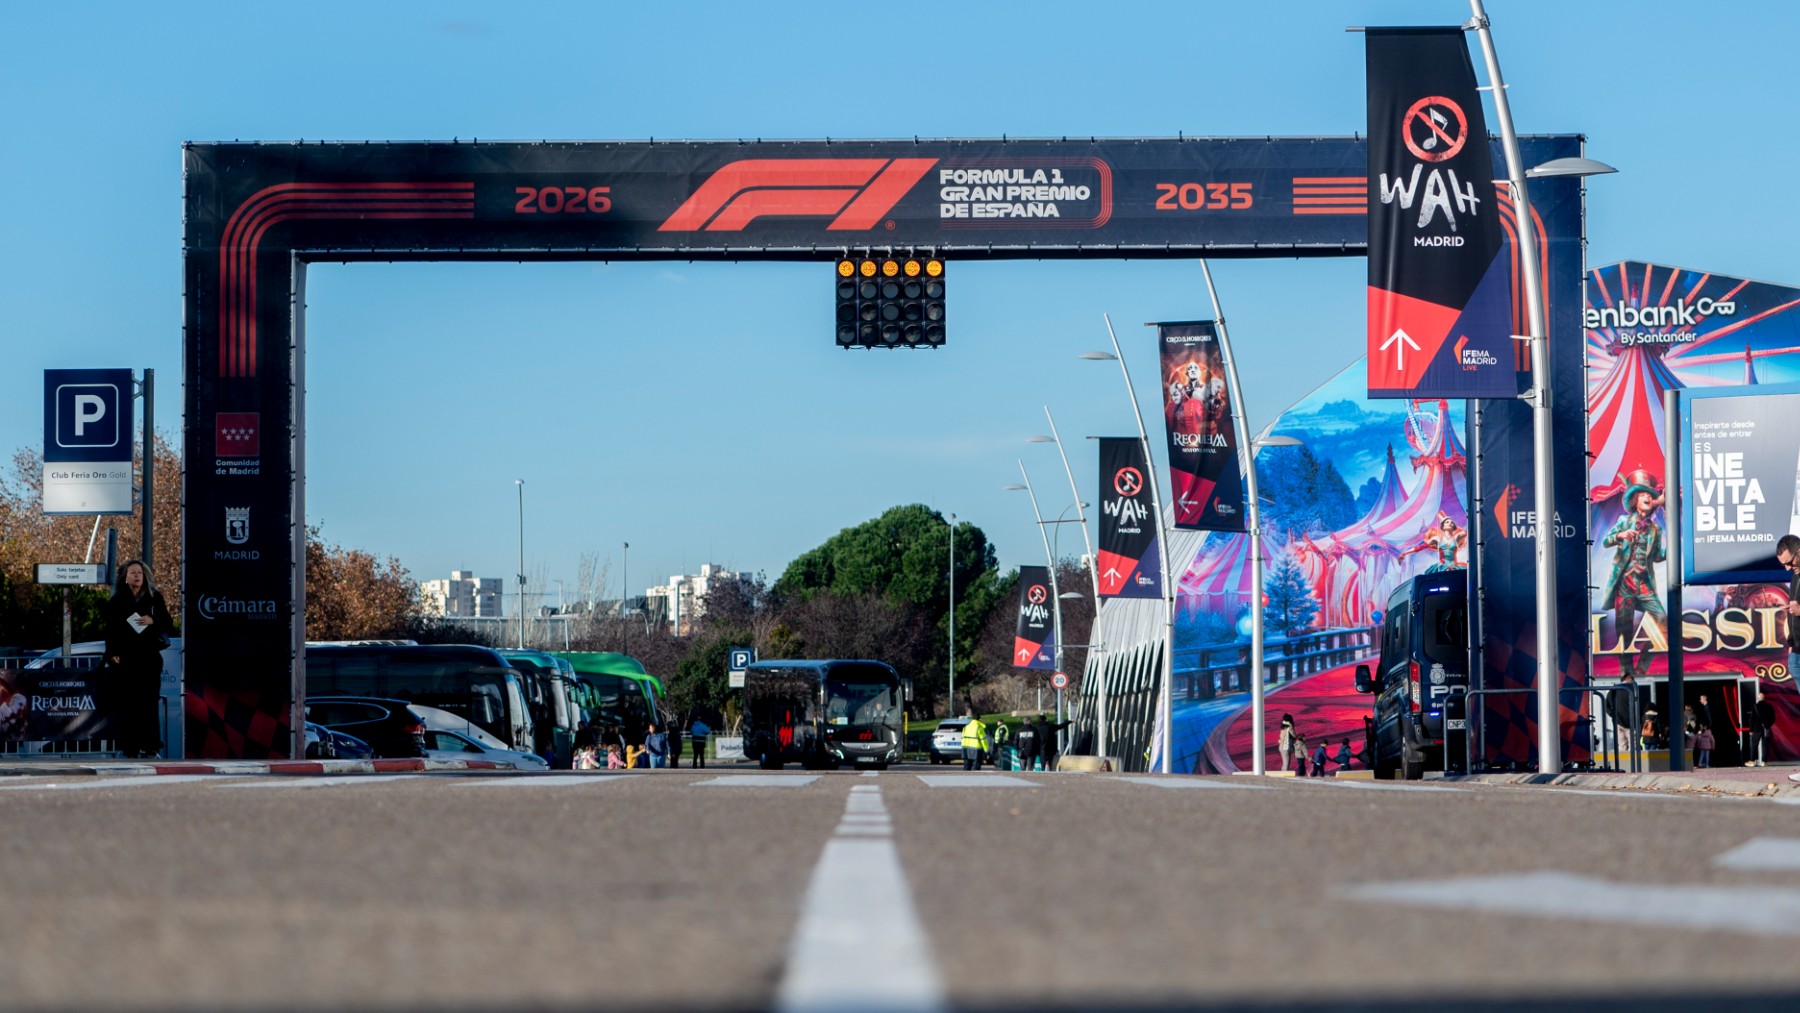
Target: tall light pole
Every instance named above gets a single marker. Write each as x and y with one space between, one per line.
1096 643
1051 558
625 598
1253 515
952 652
521 484
1549 671
1166 705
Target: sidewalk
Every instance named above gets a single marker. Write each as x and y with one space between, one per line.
128 768
1771 780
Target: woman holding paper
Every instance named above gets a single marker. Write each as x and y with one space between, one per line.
137 630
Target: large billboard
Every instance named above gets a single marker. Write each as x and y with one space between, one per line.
1651 328
256 214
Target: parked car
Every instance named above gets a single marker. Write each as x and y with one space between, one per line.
946 742
323 743
390 727
447 745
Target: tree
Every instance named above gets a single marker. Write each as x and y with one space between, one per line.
350 595
1291 606
1301 492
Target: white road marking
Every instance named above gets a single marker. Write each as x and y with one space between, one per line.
859 947
1379 785
111 782
316 781
976 781
758 781
1195 782
1763 854
1617 793
1752 910
543 780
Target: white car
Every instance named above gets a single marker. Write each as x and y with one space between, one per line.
946 741
443 720
441 744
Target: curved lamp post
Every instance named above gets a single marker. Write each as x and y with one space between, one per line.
1096 642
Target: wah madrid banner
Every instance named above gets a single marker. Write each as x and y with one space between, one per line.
1034 639
1129 563
1205 485
1440 276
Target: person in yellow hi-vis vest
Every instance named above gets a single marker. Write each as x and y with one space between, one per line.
974 742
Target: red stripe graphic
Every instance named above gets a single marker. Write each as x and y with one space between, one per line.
244 232
1330 195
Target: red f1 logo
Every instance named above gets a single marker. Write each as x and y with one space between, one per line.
858 191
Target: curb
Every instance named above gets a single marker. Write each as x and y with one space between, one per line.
1662 782
278 767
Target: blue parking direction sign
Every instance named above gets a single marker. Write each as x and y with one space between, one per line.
87 441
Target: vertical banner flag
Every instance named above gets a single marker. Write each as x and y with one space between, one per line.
1440 277
1205 485
1129 565
1034 640
1743 474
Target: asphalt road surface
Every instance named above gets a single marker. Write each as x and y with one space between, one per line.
909 889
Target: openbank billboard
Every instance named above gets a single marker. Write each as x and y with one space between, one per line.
1732 347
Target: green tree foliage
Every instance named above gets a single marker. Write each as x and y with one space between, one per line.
1291 607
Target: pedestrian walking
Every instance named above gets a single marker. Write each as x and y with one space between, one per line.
1046 740
1004 756
1762 724
615 758
1320 755
1344 756
974 742
673 731
1703 747
137 629
1621 707
656 743
697 733
1299 753
1285 741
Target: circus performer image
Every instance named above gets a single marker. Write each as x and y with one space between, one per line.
1196 402
1448 538
1637 544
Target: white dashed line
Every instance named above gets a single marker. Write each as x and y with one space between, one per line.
758 781
1197 782
976 781
110 782
859 946
1763 854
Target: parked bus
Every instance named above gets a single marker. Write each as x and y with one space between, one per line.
614 689
474 683
554 716
824 713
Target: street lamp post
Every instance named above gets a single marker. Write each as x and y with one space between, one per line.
625 598
1050 557
521 484
1543 477
1166 704
1096 643
952 645
1253 515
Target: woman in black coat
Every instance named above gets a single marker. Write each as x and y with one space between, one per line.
138 627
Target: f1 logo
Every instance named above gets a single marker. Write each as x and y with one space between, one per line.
87 415
855 192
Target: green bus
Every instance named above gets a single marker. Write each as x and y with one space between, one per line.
548 683
614 689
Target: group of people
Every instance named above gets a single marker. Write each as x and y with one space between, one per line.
1291 743
1031 746
661 748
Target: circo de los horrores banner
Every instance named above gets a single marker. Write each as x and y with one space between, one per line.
1440 275
1034 639
1743 482
1205 484
1130 566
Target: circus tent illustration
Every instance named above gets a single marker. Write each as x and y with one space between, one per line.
1352 570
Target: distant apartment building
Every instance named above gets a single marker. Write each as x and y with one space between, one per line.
683 599
464 595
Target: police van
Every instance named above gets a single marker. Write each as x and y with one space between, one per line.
1421 677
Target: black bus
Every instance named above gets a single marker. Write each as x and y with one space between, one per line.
474 683
824 713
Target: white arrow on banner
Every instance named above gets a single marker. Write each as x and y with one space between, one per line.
1402 339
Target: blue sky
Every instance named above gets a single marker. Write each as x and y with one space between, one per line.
701 412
